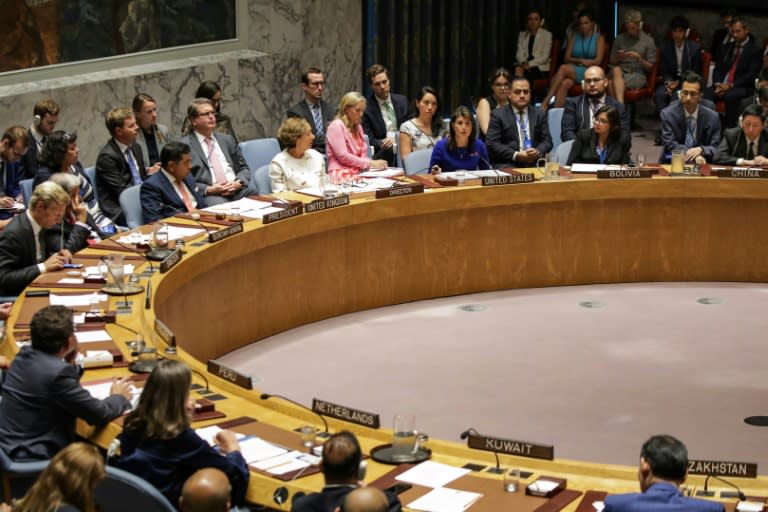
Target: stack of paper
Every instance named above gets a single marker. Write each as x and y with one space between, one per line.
255 449
432 474
443 499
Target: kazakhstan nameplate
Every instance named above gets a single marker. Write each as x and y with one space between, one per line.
722 468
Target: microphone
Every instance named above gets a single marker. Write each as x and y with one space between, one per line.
321 435
740 494
136 251
143 365
483 160
194 217
472 432
148 296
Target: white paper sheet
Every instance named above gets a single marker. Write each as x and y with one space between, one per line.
257 214
444 499
73 300
250 208
209 434
92 336
98 391
480 173
176 232
594 167
389 172
432 474
255 449
71 280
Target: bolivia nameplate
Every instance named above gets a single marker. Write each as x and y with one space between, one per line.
325 204
170 262
621 174
164 332
511 447
400 190
282 214
221 234
509 179
236 378
347 414
748 173
722 468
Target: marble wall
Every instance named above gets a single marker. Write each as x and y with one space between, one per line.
259 82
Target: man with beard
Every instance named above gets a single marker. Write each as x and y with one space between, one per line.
579 110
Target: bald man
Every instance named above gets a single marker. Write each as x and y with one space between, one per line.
207 490
365 499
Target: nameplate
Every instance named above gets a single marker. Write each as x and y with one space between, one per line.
170 262
511 447
400 190
340 412
509 179
282 214
722 468
616 174
236 378
742 172
221 234
164 332
326 204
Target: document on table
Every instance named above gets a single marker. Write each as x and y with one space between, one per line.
594 167
287 462
75 300
92 336
255 449
389 172
176 232
209 434
432 474
483 173
444 499
248 207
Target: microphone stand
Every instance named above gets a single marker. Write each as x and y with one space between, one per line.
498 470
705 492
321 435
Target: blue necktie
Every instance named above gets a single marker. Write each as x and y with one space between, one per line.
318 119
133 167
690 135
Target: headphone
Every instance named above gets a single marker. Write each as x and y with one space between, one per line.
641 25
37 120
687 32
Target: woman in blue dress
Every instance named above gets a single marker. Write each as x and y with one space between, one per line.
585 48
461 150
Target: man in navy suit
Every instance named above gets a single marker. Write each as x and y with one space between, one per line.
173 189
689 126
518 134
46 115
663 468
384 113
678 56
217 163
746 144
580 110
313 107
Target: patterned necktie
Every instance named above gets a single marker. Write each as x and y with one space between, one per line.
218 171
736 57
317 116
391 112
133 166
184 195
751 152
523 127
690 133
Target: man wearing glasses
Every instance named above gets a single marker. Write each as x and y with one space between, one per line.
689 126
518 134
580 110
313 107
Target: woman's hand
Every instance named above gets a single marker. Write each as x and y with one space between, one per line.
379 164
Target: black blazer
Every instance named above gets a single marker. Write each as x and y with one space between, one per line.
159 199
747 69
674 129
18 256
332 497
327 111
201 170
373 120
502 138
733 146
577 112
583 149
691 60
75 236
113 176
29 161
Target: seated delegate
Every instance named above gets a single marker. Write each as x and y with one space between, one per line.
345 145
298 165
461 150
424 130
604 143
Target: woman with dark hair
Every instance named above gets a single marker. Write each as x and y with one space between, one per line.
158 444
534 47
61 154
424 130
212 91
461 150
500 80
604 143
67 483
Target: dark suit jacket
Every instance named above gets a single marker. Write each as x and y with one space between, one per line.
201 170
659 497
29 161
332 497
373 120
327 111
749 65
674 129
691 59
502 138
37 416
18 258
159 199
576 115
113 176
583 150
160 134
733 146
75 236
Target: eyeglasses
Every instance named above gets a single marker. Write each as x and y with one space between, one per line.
692 94
600 120
504 85
593 80
521 92
206 113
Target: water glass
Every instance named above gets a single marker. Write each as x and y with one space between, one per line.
512 480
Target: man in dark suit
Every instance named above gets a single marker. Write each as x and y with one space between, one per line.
688 126
746 144
173 189
736 68
217 163
46 115
384 113
518 134
22 244
722 36
663 468
678 56
37 415
313 107
580 110
761 83
119 164
340 465
13 147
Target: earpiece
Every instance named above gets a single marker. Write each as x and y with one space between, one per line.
582 85
37 120
542 22
687 32
740 118
641 26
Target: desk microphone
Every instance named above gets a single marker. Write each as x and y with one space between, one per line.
194 217
141 253
740 494
484 161
143 365
472 432
322 435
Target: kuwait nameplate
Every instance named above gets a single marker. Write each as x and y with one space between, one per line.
511 447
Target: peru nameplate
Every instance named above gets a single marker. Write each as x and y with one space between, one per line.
325 204
170 262
722 468
237 378
400 190
622 174
221 234
511 447
282 214
509 179
340 412
744 173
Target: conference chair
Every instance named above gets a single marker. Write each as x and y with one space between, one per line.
563 152
90 173
555 116
540 85
258 152
260 179
23 474
130 202
26 190
122 491
418 162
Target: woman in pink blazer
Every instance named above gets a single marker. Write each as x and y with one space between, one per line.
345 145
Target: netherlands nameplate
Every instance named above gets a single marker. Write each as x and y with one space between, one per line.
343 413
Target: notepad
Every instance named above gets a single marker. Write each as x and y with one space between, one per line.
432 474
92 336
255 449
444 499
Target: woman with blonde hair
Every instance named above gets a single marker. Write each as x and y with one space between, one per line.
67 483
158 444
298 165
345 146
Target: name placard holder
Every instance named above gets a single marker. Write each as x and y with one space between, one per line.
509 179
400 190
326 204
348 414
221 234
237 378
622 174
164 332
722 468
170 262
511 447
748 173
282 214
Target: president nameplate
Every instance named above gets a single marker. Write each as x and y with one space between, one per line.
722 468
623 174
744 173
348 414
282 214
511 447
509 179
221 234
236 378
326 204
170 262
400 190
